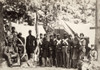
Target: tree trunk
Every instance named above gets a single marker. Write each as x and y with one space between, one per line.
1 32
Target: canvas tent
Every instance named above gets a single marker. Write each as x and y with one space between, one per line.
79 28
60 28
25 28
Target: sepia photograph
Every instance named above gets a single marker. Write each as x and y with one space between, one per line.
49 34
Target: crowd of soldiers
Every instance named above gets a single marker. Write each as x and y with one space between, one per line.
55 51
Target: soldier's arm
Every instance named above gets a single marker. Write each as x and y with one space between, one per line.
96 55
84 43
5 50
23 41
24 45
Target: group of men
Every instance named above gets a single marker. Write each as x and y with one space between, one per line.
13 49
54 51
62 52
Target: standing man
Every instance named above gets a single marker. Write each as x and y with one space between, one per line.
59 52
13 31
7 30
54 49
87 46
51 49
82 46
21 45
45 49
70 45
75 51
14 38
30 44
65 50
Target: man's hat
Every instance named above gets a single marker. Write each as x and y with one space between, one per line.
58 34
41 34
51 35
20 33
30 30
54 34
81 34
75 34
65 34
45 34
92 46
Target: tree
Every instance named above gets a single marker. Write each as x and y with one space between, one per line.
1 31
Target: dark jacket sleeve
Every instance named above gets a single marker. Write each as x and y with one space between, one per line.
35 42
23 40
26 42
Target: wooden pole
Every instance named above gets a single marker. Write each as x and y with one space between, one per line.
36 25
98 29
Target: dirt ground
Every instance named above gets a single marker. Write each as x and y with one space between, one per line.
5 67
35 68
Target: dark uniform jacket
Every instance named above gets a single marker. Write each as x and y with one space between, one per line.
51 47
45 48
20 44
75 48
70 42
31 44
59 46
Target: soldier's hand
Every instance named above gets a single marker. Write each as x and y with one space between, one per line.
47 59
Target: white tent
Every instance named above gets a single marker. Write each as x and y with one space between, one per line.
80 28
84 28
25 28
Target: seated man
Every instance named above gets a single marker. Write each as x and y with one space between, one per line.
93 53
83 64
10 53
91 63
